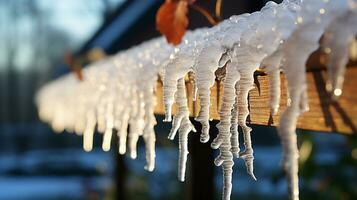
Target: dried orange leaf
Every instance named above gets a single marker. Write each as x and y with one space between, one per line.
172 20
75 67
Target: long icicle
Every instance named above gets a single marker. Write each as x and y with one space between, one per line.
109 125
246 84
183 124
302 42
137 124
234 125
223 140
149 132
206 65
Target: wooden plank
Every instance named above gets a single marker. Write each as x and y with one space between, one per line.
201 176
324 115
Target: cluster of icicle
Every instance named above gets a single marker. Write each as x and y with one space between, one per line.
278 38
118 92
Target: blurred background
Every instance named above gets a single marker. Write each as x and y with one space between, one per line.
38 38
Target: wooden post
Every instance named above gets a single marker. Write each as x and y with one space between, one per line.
120 172
201 179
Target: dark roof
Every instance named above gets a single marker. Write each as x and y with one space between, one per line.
131 15
134 22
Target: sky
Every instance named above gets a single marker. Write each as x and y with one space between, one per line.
77 19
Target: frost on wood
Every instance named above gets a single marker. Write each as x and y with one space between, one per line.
117 94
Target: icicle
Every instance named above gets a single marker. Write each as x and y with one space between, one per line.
180 101
214 54
123 131
223 140
109 118
194 87
272 64
337 38
88 132
170 81
249 53
101 109
182 124
207 64
149 133
180 63
247 62
57 123
246 84
302 42
137 124
234 125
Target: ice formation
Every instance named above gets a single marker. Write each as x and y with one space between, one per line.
118 92
112 97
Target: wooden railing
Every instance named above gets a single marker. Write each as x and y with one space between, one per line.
324 115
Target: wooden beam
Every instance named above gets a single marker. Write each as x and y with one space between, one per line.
324 115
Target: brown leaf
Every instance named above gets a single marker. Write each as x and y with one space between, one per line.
172 20
73 65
